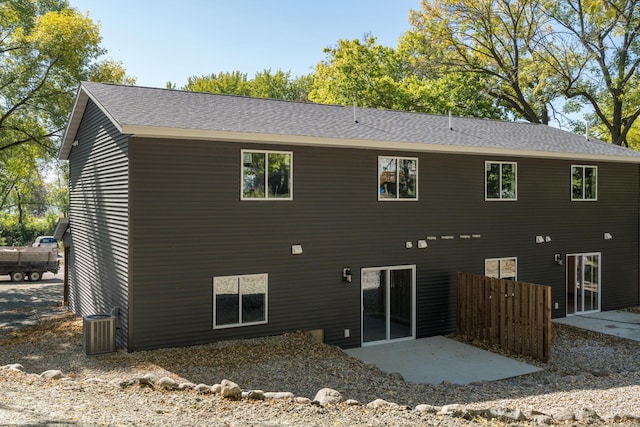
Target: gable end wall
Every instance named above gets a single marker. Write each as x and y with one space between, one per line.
98 198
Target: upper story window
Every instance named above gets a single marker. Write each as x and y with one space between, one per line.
584 182
501 268
267 175
397 178
501 180
239 300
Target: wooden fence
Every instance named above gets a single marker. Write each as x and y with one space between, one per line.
514 315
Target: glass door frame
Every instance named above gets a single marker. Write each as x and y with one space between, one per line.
570 277
387 290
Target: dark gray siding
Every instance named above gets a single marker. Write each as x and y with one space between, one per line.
98 178
189 225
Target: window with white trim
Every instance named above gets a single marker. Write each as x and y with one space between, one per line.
267 175
584 182
397 178
501 268
500 180
239 300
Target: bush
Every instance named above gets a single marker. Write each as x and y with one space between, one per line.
14 234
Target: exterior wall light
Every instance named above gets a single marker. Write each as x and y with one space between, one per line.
539 239
346 275
608 236
296 249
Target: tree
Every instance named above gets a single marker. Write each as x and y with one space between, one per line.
371 75
233 82
599 59
498 39
265 84
46 49
586 52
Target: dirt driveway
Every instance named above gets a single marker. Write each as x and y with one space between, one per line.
24 304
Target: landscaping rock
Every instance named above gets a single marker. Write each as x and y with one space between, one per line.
382 404
278 395
15 367
327 396
229 389
167 383
52 374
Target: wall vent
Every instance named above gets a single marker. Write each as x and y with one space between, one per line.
98 334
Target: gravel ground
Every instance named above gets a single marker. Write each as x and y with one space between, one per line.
588 373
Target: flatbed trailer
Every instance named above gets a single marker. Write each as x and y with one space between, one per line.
21 262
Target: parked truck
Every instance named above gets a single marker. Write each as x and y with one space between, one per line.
22 262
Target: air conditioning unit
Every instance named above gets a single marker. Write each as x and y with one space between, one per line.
98 334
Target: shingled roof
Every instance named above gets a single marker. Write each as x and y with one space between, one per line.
165 113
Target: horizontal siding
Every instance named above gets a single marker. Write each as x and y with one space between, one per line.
188 225
98 193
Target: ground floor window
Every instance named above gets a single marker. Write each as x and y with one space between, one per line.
239 300
501 268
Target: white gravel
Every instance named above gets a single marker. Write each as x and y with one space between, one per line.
587 371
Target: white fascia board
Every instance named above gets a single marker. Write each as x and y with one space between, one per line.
249 137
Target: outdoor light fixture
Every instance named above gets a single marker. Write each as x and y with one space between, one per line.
296 249
346 275
547 239
608 236
539 239
422 244
558 259
408 245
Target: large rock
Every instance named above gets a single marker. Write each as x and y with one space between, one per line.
14 367
382 404
279 395
429 409
587 415
230 390
506 414
454 410
167 383
327 396
52 374
202 388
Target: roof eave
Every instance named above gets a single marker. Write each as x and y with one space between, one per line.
277 139
75 118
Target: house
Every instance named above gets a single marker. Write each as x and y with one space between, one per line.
205 217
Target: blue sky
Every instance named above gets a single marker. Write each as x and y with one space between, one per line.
160 41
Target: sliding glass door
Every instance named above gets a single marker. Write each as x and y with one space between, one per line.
583 283
388 304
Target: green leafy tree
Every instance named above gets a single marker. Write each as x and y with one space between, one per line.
597 56
46 49
498 39
538 53
265 84
371 75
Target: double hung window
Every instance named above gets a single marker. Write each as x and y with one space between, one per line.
267 175
501 181
397 178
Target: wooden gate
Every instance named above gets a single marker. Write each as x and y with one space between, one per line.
514 315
